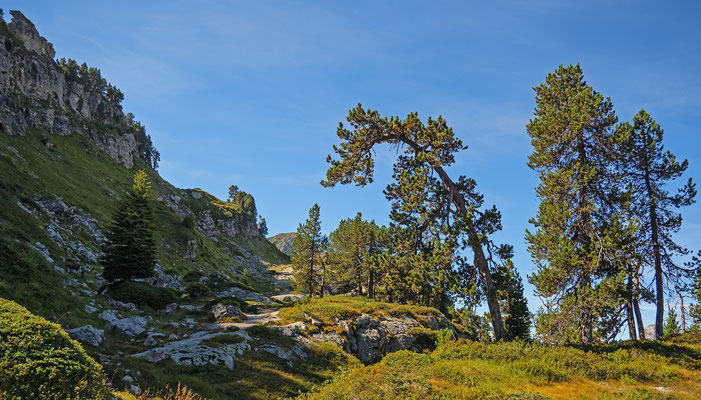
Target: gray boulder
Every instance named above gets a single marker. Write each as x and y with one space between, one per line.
220 311
130 326
88 334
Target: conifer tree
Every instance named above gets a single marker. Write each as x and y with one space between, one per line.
353 250
671 326
517 318
571 135
307 251
647 170
428 148
129 248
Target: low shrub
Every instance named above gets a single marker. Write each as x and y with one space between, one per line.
425 337
192 276
38 360
143 294
197 289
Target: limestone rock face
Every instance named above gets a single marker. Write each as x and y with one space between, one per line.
34 93
24 30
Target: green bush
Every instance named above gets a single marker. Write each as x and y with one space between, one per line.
192 276
38 360
143 294
197 289
424 337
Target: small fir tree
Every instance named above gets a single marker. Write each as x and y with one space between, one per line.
307 251
671 327
517 318
129 248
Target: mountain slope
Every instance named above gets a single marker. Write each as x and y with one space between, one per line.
283 241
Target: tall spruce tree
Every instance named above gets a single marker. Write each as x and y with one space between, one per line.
572 136
647 170
129 248
307 252
428 148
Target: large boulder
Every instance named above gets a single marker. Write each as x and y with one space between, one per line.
226 310
88 334
131 326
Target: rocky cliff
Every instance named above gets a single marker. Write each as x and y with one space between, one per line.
283 241
36 91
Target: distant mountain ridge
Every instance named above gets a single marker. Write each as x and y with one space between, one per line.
283 241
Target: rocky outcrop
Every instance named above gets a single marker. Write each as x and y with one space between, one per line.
130 326
372 337
226 311
88 334
242 294
35 93
191 352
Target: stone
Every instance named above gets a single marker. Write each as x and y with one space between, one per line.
90 309
130 326
293 329
191 307
286 298
127 378
221 311
124 306
88 334
135 390
172 337
169 309
246 295
190 352
150 341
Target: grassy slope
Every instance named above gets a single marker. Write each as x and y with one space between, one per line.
327 308
86 178
516 370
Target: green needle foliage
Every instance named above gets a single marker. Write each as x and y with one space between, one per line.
646 170
434 216
307 254
354 250
671 327
130 249
517 318
572 138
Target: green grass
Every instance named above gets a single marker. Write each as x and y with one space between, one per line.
327 308
519 370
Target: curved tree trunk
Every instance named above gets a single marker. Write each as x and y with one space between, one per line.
480 259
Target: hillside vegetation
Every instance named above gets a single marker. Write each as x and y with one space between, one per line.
462 369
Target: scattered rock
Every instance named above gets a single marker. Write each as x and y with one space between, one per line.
135 390
293 329
220 311
124 306
90 309
131 326
88 334
150 341
286 298
170 308
244 295
128 378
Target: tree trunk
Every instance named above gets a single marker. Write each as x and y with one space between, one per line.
630 312
659 283
681 299
323 279
480 259
371 283
311 273
636 307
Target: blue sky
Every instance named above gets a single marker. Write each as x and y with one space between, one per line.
250 93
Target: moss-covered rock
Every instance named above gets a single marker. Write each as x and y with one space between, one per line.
38 360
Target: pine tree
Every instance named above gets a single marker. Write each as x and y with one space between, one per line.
517 318
428 148
671 327
648 169
129 248
307 251
571 135
262 226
